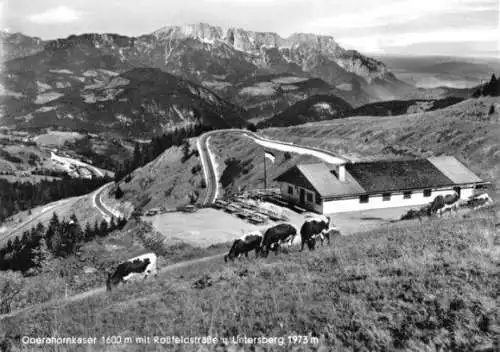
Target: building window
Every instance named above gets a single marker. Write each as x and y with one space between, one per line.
386 197
364 198
318 198
481 187
427 192
309 197
290 190
407 195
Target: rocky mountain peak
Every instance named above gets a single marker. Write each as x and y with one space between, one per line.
96 40
303 49
202 31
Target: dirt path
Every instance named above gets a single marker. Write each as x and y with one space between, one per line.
99 290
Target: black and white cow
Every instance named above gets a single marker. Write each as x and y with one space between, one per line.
247 243
139 267
328 234
275 236
312 230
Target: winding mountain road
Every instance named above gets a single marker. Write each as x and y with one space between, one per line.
210 167
106 212
97 202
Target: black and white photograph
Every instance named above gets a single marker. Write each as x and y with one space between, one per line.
250 175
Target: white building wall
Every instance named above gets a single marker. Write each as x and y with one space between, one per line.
466 193
397 200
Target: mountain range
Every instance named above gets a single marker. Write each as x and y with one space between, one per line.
202 72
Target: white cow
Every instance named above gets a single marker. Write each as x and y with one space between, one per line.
139 267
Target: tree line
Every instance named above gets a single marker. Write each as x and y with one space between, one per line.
145 153
491 88
59 240
19 196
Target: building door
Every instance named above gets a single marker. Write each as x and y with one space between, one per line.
457 189
302 197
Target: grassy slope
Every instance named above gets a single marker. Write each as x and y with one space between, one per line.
252 155
398 288
166 181
88 269
309 110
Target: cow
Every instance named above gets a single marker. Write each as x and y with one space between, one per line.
275 236
312 228
138 267
451 198
436 204
442 204
446 208
328 234
247 243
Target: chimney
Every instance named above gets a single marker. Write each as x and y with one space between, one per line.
341 172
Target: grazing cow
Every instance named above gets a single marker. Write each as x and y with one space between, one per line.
451 198
288 243
275 236
250 241
446 208
311 229
436 204
441 204
132 269
329 234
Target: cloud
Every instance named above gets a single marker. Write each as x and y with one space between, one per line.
60 14
2 7
377 42
246 2
396 12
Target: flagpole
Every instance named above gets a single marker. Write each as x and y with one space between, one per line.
265 173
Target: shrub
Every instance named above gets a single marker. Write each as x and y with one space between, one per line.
11 286
234 169
252 127
118 193
195 169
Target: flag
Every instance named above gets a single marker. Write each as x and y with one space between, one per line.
269 155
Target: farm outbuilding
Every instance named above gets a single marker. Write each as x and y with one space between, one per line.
377 184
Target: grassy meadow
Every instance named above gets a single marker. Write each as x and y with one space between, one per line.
403 287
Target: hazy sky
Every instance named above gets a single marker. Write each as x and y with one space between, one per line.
448 27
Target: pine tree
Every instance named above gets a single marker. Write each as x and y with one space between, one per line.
493 79
112 224
136 161
76 229
54 222
25 238
97 229
88 234
52 230
118 192
10 246
17 244
40 229
103 230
